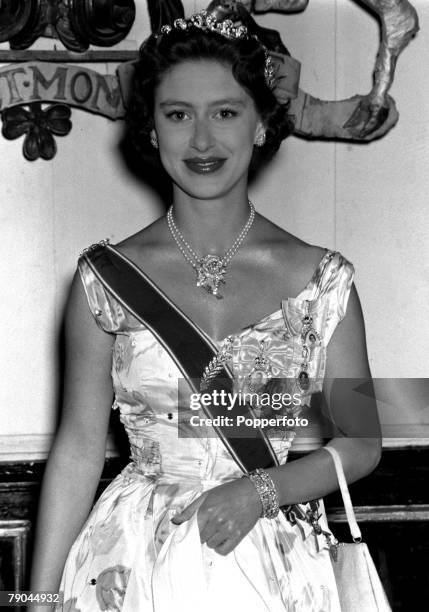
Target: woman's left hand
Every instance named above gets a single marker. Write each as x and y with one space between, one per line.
226 514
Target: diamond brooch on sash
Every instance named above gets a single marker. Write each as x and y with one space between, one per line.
217 363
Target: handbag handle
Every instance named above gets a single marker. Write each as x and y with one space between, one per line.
345 494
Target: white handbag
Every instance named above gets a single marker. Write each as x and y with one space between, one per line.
359 586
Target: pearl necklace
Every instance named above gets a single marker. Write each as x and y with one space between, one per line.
210 269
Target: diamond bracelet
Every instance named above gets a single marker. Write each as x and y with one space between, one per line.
264 485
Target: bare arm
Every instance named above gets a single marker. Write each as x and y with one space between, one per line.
227 513
314 475
77 457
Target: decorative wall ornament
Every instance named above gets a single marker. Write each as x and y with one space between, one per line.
77 23
14 14
162 12
72 85
39 125
361 117
282 6
24 87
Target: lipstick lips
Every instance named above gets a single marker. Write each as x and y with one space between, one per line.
204 165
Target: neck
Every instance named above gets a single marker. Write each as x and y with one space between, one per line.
211 226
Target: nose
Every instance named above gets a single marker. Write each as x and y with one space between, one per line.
202 137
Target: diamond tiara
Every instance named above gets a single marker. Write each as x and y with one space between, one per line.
207 21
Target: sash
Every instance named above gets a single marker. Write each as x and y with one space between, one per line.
190 348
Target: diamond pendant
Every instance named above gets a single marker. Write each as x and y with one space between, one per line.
210 271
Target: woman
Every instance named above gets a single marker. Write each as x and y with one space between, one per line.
179 528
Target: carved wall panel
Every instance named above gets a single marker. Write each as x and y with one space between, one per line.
77 23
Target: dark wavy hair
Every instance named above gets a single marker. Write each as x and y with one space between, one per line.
245 56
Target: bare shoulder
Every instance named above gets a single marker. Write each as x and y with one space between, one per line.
302 260
286 249
146 242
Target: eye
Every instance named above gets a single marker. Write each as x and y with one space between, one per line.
227 113
177 115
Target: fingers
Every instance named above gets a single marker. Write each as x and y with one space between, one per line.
189 511
225 538
225 514
216 530
216 540
228 544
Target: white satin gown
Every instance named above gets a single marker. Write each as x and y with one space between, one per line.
129 556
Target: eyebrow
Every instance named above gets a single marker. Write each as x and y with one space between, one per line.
221 102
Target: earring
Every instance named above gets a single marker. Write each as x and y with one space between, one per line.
154 140
260 141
